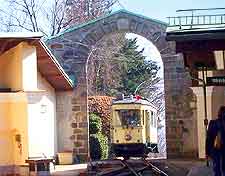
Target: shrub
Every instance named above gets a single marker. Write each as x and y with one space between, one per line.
98 146
104 145
98 141
95 148
95 124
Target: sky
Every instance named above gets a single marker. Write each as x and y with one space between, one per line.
160 10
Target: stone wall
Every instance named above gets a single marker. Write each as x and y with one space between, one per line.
181 122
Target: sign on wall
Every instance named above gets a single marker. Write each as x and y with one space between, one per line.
215 81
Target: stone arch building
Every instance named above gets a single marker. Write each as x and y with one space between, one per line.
72 48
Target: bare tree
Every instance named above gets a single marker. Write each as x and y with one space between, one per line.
80 11
21 15
45 16
101 66
56 16
49 16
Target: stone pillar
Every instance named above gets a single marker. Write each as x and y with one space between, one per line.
180 109
80 120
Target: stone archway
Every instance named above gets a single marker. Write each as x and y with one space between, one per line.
73 46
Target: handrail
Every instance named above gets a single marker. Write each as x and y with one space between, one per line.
189 20
195 16
194 20
206 9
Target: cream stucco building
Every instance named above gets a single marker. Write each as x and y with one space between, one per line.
30 79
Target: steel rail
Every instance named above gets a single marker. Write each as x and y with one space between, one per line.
127 169
154 168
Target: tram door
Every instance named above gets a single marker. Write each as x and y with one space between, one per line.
147 125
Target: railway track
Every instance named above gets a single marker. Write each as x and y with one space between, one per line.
120 167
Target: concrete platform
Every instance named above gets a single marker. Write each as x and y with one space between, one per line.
68 170
201 170
185 167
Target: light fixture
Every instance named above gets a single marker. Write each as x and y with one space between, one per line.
43 108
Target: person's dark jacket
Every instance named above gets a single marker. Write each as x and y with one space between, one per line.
214 127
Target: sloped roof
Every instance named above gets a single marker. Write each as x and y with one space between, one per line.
48 65
133 100
76 27
50 68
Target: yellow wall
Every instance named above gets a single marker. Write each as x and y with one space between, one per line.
6 143
19 112
13 120
29 66
18 68
11 69
19 125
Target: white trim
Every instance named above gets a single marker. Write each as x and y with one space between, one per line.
21 35
12 97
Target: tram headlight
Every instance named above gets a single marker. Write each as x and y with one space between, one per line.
128 137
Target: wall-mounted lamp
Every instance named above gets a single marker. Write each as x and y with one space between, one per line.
18 138
43 108
19 142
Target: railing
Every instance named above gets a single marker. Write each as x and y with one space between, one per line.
197 20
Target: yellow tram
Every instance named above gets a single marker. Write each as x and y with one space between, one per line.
133 127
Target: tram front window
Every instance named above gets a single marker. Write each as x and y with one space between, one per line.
129 117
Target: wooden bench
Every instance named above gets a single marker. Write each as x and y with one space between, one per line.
39 166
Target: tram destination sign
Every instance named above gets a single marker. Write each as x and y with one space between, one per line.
215 81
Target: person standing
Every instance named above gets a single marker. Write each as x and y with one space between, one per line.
215 143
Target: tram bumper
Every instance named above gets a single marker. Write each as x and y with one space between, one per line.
129 150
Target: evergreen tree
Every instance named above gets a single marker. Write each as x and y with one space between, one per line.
133 68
